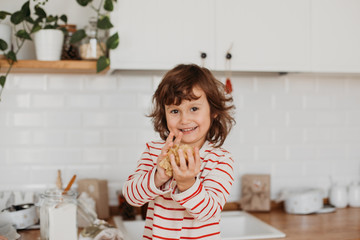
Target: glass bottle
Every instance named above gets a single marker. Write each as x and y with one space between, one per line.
58 215
70 51
93 46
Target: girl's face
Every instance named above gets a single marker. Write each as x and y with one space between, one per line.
192 118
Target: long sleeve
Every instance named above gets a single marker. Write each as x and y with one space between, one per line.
206 198
140 187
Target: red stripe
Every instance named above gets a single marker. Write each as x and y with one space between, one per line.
225 172
172 219
142 187
206 225
156 148
212 180
192 195
203 236
168 199
157 142
147 159
132 187
145 164
209 151
226 164
148 181
198 204
150 228
169 229
164 237
172 209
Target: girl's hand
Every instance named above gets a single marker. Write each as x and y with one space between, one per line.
160 176
185 174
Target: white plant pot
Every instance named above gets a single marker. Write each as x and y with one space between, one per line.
48 44
5 34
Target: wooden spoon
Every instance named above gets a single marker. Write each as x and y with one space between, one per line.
69 185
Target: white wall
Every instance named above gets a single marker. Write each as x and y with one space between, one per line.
299 128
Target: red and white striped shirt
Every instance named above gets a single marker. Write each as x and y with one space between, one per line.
192 214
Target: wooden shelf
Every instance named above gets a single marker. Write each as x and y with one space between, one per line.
63 66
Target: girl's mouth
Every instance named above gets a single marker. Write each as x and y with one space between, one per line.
187 130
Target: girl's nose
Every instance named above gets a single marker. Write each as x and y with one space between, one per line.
185 118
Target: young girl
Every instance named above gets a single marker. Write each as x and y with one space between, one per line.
190 107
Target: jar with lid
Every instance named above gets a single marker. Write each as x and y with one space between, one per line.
58 215
70 51
93 46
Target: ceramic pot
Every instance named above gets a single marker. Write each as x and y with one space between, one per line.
48 44
338 196
354 195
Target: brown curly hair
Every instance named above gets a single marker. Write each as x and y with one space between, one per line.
177 85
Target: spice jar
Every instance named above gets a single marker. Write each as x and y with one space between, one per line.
70 51
58 215
93 46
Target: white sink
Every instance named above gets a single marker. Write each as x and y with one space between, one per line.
234 225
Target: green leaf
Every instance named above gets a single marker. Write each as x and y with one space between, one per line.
3 14
3 45
64 18
40 12
102 63
113 41
25 9
84 3
2 80
30 20
11 56
51 18
17 17
108 5
36 27
23 34
78 36
104 23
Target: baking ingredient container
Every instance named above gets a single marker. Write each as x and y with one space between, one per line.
354 195
20 216
303 201
58 215
338 196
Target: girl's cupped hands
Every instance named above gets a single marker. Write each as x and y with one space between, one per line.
185 173
160 175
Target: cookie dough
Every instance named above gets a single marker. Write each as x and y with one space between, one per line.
166 163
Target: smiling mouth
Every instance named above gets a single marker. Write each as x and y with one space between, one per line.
185 130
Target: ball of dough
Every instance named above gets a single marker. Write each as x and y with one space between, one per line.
166 162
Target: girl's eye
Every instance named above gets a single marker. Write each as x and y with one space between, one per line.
174 111
193 109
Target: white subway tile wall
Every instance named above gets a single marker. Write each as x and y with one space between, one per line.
300 128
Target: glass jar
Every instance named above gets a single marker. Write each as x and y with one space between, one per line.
58 215
93 45
70 51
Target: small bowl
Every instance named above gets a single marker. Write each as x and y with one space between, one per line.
20 216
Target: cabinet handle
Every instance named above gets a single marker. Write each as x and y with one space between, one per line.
228 56
203 55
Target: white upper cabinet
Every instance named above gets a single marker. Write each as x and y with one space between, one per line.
336 35
159 34
266 35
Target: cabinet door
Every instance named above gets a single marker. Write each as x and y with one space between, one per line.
336 35
267 35
159 34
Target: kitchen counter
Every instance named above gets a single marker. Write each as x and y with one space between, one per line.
340 225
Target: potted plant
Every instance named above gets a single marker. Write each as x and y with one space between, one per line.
48 36
98 24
